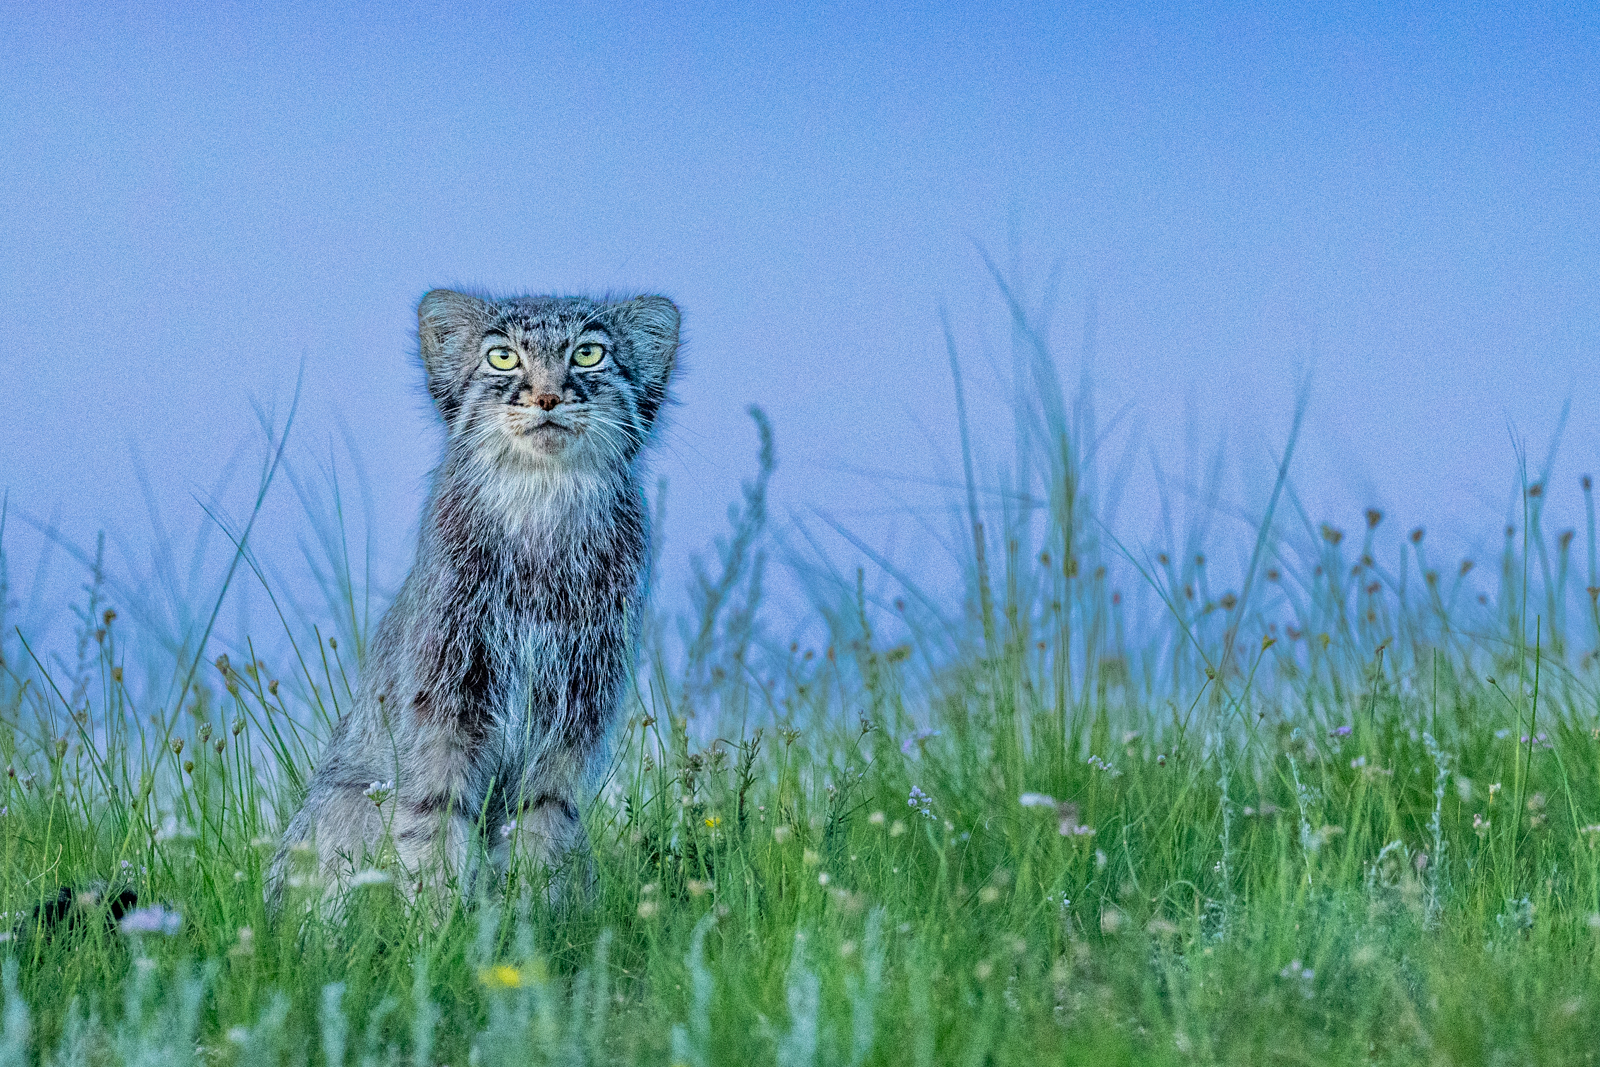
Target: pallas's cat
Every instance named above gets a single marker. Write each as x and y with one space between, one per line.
487 693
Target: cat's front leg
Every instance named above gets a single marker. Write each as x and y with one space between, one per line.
337 832
544 835
432 841
432 827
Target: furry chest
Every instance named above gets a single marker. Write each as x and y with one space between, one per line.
556 680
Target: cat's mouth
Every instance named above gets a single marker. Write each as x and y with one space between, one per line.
545 435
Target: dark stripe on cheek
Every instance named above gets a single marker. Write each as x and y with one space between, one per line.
621 369
650 398
445 397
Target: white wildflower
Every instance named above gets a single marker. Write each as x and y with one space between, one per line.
155 919
1101 765
1296 970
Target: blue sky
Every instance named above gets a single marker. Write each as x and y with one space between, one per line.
1401 200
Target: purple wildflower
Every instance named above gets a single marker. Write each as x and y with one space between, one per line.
922 802
916 739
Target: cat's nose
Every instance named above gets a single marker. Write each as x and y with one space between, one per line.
547 401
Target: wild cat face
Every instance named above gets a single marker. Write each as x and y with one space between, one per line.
548 383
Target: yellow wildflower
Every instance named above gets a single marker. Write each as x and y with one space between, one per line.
501 976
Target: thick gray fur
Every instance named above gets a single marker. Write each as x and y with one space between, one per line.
488 692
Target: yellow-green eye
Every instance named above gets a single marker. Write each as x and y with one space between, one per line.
503 358
589 353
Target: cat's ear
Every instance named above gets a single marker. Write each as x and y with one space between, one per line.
652 323
448 324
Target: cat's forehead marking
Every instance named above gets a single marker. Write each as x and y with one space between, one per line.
546 322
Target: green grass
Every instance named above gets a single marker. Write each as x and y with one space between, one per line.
1292 822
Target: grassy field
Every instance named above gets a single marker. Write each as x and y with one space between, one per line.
1344 810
